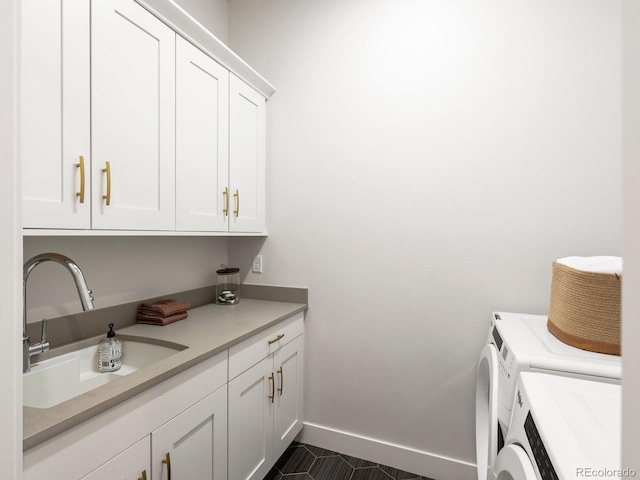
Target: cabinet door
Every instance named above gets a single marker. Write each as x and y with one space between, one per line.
202 140
251 422
132 464
194 444
289 367
133 118
246 157
55 113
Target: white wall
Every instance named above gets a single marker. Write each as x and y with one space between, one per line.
10 253
427 161
631 285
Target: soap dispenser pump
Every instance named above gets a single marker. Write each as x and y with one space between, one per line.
110 352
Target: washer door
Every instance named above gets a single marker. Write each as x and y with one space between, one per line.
513 463
487 412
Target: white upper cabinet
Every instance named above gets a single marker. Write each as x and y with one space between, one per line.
220 147
133 118
55 114
202 141
246 157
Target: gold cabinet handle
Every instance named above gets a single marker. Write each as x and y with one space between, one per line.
273 387
236 212
167 462
144 475
281 373
277 339
226 202
107 170
81 167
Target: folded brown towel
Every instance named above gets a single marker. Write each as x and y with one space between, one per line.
163 308
157 320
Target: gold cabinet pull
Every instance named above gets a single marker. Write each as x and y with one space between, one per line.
236 212
273 387
167 462
281 373
144 475
226 202
277 339
107 170
81 167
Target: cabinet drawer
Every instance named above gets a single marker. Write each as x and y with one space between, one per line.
247 353
128 464
216 376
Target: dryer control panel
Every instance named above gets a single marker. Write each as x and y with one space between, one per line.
507 365
505 358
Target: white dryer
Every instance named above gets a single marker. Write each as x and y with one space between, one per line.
521 343
562 428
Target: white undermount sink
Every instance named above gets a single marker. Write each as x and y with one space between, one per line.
66 376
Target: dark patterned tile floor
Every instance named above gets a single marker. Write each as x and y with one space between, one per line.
306 462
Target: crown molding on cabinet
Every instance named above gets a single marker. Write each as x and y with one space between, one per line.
189 28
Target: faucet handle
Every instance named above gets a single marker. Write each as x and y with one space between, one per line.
40 347
43 332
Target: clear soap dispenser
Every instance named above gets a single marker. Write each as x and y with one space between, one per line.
110 352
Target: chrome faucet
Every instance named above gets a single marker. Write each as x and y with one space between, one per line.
29 349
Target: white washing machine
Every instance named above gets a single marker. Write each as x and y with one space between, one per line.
562 428
520 343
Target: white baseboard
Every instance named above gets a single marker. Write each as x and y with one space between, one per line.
408 459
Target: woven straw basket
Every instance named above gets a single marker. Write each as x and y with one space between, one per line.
585 309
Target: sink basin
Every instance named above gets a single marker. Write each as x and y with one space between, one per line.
66 376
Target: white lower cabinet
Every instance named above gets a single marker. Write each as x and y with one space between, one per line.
183 416
194 444
132 464
229 417
287 420
265 401
251 423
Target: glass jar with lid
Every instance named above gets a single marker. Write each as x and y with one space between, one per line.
227 285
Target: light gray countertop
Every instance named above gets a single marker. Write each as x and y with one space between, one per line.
209 329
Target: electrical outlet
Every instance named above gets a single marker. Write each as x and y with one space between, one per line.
257 264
